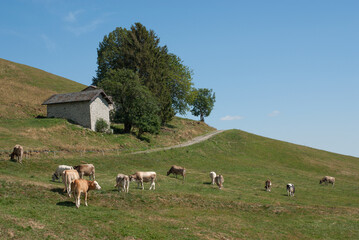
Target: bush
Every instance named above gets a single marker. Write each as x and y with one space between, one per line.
101 125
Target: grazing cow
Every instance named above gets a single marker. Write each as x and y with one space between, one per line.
219 181
327 179
68 176
59 171
290 189
83 186
212 175
86 170
17 152
268 185
141 177
177 170
122 182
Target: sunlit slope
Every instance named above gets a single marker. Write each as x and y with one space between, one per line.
24 88
193 209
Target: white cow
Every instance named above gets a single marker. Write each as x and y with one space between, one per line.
212 175
141 177
59 170
67 178
122 182
327 179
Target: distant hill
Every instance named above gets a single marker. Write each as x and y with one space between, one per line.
24 88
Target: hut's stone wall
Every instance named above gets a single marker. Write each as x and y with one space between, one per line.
78 112
99 108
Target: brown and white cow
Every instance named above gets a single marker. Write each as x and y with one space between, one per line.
268 185
327 179
290 189
83 186
122 182
86 170
68 176
17 152
177 170
219 181
141 177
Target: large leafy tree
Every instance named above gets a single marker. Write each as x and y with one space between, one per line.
135 106
203 102
180 84
162 73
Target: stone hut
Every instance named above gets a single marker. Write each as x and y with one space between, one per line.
83 108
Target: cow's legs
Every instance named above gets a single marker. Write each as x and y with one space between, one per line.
142 185
153 186
86 199
78 195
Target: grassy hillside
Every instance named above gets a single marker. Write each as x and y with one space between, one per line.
24 88
31 206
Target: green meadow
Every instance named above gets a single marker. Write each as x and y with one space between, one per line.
34 207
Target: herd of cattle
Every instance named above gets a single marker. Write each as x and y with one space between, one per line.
72 177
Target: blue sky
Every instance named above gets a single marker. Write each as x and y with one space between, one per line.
287 70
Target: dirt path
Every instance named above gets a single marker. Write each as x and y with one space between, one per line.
191 142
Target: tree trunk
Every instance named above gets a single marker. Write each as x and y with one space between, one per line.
128 127
202 117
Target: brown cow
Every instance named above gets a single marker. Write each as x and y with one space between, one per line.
17 152
219 181
177 170
83 186
86 170
268 185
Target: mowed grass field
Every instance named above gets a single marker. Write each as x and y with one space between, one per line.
34 207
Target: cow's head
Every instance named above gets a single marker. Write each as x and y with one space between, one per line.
96 185
54 177
168 173
132 177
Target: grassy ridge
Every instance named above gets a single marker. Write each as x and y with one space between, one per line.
24 89
31 206
58 134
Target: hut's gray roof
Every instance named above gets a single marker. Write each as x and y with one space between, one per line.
88 95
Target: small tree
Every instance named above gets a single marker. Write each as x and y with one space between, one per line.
203 102
101 125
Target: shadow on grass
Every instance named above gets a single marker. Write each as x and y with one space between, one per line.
58 190
170 126
66 204
208 183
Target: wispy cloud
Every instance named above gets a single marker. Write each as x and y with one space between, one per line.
231 118
49 44
274 113
79 30
72 16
